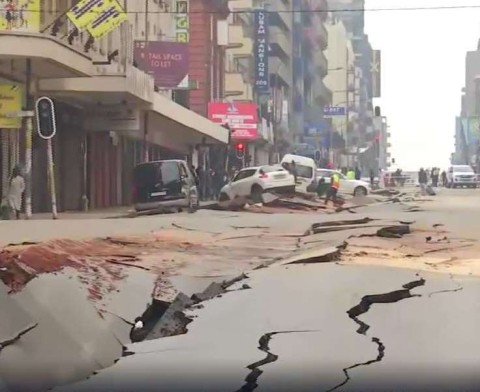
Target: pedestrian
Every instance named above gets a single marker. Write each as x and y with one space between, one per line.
293 170
423 180
15 192
333 190
444 178
351 174
358 173
372 178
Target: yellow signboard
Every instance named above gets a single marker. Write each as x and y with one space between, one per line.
10 103
98 17
108 20
20 15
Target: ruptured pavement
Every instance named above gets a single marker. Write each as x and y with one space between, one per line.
377 298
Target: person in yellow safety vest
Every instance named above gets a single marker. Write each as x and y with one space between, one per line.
351 174
334 187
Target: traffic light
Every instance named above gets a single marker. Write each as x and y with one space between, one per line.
45 114
240 150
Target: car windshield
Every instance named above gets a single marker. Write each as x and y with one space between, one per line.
270 169
462 169
149 174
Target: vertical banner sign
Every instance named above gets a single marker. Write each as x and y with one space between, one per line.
262 77
182 24
182 31
377 73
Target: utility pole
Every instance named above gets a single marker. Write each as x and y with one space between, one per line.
347 106
28 140
145 115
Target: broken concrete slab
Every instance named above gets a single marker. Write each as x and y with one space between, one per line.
70 342
181 362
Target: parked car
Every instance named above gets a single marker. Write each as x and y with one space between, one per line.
460 176
347 186
305 168
253 181
167 183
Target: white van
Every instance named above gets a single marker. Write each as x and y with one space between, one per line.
460 176
306 172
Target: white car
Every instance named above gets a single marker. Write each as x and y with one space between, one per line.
347 186
460 176
253 181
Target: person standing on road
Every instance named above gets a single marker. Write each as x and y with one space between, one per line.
423 180
372 178
351 174
444 178
333 190
15 192
358 173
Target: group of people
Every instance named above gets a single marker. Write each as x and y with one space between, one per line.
435 175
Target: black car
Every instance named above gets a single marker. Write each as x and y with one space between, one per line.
167 183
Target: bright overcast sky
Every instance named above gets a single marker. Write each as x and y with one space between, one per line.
423 63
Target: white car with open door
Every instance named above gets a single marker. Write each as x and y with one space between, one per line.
347 186
253 181
306 172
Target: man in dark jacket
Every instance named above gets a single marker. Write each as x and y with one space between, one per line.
423 180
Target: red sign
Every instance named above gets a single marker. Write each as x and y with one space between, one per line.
241 117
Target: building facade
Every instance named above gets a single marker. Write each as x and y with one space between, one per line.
111 113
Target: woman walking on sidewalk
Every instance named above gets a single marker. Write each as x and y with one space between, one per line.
15 192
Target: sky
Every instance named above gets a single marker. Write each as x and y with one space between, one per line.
423 72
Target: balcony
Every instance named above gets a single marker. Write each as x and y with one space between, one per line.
279 72
321 63
235 86
322 94
280 15
280 43
240 45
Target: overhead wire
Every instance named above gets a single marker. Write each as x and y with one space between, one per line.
251 11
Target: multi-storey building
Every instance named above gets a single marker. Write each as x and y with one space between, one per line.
110 114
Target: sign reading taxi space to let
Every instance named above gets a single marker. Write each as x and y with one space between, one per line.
98 17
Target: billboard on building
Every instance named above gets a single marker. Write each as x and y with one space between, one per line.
10 103
166 61
262 75
471 130
241 117
20 15
98 17
376 73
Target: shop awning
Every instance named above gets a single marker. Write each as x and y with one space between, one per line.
202 126
50 56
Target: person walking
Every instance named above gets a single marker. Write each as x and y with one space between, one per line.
444 178
15 192
333 190
351 174
423 180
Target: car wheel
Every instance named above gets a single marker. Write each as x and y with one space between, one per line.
223 197
256 193
359 191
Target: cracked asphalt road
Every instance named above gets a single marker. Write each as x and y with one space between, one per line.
320 326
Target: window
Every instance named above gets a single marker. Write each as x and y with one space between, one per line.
304 171
244 174
183 170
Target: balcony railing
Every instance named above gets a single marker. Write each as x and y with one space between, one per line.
280 39
235 86
240 45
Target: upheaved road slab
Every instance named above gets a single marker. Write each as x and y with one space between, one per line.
292 330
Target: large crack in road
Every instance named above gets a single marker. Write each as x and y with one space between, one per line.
251 381
362 308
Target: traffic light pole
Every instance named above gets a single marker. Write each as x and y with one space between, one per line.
51 178
28 142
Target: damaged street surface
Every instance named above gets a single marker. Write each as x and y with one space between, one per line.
378 294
